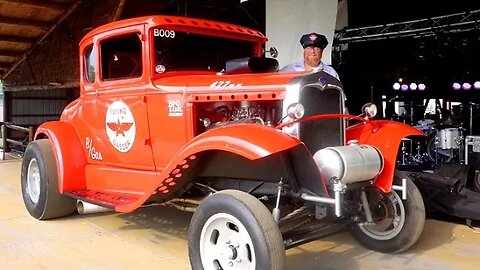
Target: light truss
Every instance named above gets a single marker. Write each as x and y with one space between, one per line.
452 23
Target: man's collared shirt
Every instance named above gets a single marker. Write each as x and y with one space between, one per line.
299 66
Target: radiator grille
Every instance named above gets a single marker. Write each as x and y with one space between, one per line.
322 133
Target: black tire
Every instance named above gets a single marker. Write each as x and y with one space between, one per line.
393 238
253 221
42 199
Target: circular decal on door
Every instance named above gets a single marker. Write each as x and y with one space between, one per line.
120 126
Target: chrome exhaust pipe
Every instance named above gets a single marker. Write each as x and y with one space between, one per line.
89 208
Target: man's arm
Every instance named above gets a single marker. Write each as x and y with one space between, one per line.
292 67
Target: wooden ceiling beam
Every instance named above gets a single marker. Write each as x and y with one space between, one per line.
24 22
11 53
65 15
43 4
16 39
119 10
65 85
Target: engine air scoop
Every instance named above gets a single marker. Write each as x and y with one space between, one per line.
251 65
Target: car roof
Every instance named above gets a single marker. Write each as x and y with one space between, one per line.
180 22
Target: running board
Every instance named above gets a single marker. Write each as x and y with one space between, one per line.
105 199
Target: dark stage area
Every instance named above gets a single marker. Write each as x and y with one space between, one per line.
420 43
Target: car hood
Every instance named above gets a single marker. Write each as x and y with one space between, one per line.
208 82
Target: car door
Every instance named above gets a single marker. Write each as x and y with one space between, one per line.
120 107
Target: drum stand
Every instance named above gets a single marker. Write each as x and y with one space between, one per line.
473 141
472 105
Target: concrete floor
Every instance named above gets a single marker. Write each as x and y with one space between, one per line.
156 238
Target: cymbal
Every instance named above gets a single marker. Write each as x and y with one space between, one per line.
426 122
402 116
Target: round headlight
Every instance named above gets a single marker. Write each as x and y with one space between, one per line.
370 110
295 111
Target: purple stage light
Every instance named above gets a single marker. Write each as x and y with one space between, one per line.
466 86
421 87
404 87
456 86
476 85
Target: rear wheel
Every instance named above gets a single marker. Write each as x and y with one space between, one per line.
39 183
397 224
233 230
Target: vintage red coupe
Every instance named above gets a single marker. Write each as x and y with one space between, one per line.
189 113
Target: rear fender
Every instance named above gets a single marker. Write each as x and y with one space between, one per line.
69 154
251 141
386 136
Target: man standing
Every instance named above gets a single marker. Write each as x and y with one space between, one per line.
313 45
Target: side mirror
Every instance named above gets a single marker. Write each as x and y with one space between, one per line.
273 52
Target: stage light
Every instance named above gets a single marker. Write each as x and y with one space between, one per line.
396 86
421 87
413 86
476 85
404 87
466 86
456 86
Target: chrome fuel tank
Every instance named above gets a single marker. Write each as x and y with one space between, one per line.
349 164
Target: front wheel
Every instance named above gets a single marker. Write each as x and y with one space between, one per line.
233 230
397 224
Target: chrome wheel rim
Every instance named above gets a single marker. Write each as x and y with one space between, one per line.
226 244
33 181
390 224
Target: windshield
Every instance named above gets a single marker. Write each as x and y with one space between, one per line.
175 50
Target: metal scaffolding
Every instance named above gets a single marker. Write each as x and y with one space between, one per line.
452 23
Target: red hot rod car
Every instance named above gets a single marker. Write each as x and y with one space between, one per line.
186 112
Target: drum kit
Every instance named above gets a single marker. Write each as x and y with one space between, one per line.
444 144
447 141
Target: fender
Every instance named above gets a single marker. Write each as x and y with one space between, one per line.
385 136
251 141
69 154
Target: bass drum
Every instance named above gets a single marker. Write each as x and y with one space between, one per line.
436 154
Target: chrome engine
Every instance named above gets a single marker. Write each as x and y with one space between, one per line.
218 114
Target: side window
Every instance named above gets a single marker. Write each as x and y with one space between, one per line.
121 57
90 60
